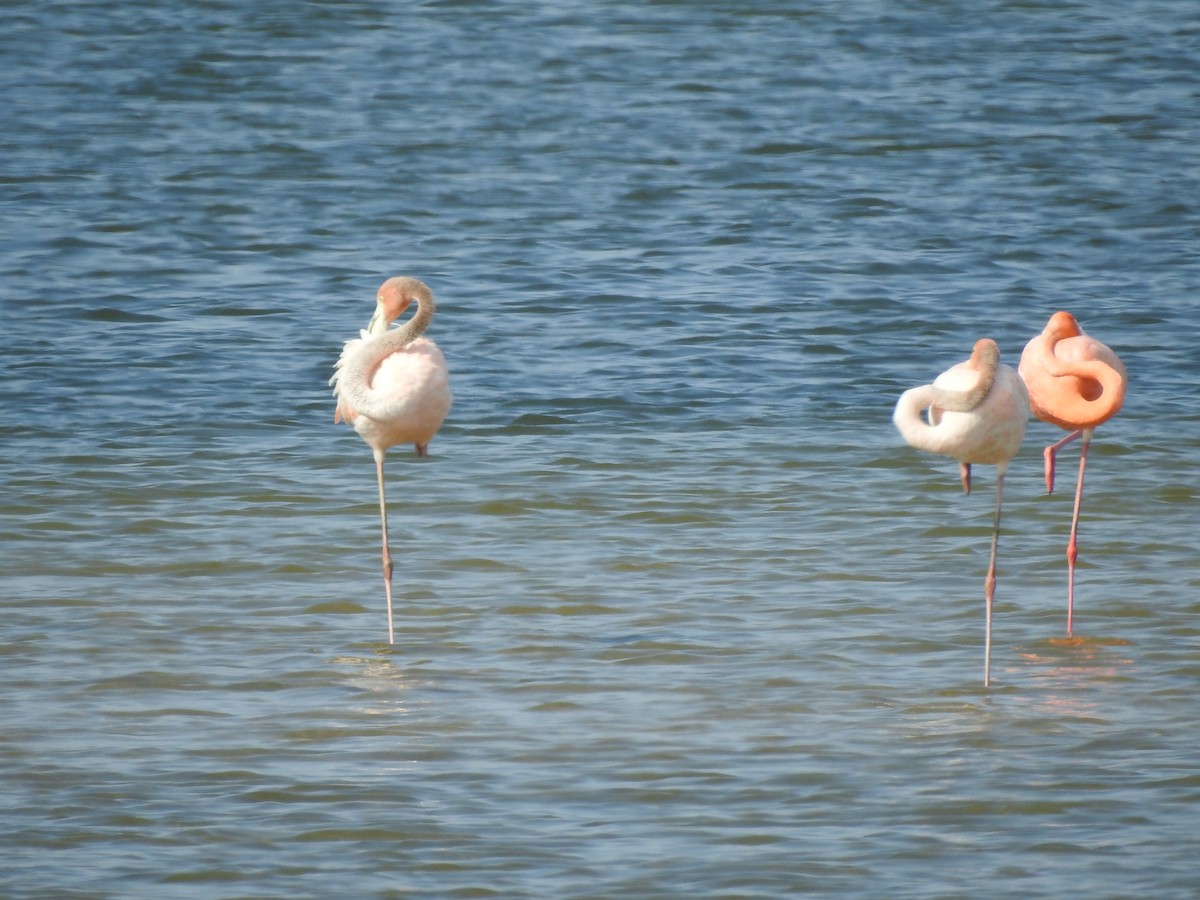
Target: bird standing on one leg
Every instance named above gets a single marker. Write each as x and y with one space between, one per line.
977 411
1076 383
393 387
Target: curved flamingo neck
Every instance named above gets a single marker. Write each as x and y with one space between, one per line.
386 341
1073 407
985 357
415 326
358 369
910 421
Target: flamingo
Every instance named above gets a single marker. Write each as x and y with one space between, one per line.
1077 383
977 412
393 387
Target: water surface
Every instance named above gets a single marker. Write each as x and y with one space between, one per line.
677 613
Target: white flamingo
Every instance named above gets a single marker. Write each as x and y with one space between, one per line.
393 387
977 411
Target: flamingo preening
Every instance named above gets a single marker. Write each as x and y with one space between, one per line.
393 387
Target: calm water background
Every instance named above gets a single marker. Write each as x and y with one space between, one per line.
678 615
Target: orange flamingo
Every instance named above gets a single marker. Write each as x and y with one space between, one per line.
1076 383
977 413
393 387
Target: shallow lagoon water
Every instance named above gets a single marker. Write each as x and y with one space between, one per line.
678 614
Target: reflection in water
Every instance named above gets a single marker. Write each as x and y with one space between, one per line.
386 685
1069 670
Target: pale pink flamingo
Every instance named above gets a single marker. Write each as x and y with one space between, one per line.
393 387
1076 383
977 414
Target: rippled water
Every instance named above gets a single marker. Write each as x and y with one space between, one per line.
678 614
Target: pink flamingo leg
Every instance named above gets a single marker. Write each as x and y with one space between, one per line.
1072 544
1049 454
990 583
387 556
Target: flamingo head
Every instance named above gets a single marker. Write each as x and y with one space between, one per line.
1062 325
393 299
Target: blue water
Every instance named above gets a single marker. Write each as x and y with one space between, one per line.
678 614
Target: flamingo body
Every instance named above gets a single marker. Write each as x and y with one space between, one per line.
1074 380
393 387
412 392
989 434
975 412
1077 383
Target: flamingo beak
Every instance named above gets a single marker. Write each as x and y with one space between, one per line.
379 322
